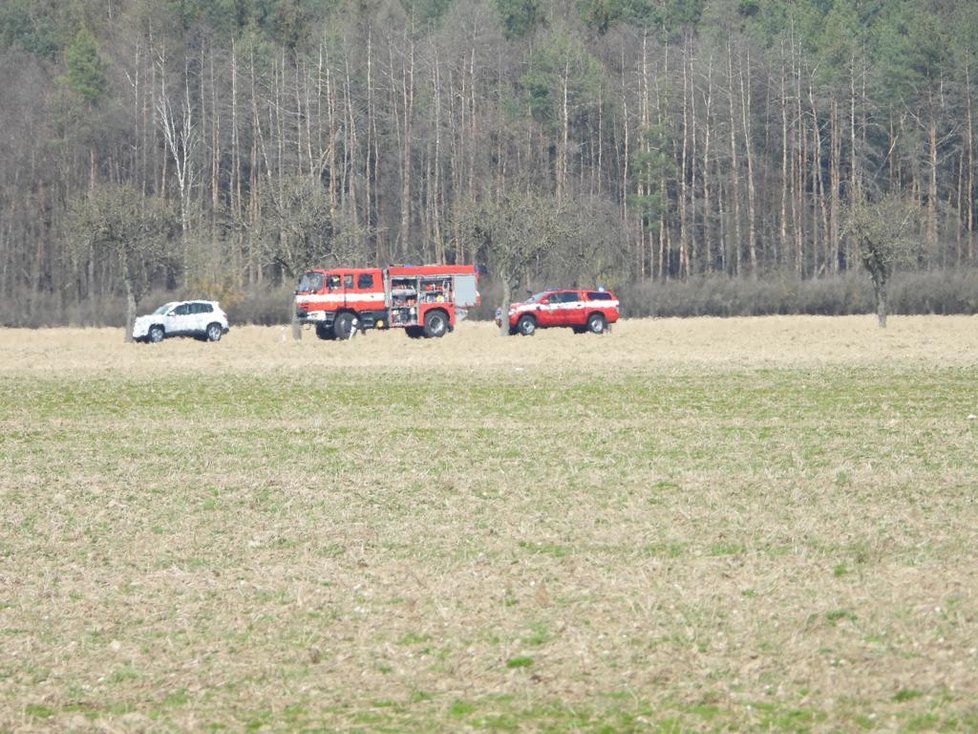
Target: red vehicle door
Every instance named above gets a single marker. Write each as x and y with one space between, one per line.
334 291
356 289
547 310
565 307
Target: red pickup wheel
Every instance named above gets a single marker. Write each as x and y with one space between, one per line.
597 324
527 325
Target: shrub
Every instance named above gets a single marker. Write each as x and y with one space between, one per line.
265 307
935 292
941 292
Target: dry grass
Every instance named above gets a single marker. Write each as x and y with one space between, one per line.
789 341
750 524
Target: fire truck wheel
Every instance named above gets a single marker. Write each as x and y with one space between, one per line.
527 325
325 332
596 323
435 324
343 326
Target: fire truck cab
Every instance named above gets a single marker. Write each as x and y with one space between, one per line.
424 300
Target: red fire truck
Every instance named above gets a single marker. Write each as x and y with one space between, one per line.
424 300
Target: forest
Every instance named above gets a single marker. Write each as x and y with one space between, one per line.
219 147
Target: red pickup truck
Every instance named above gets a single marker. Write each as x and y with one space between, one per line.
581 310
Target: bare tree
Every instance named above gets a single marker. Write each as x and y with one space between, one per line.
512 234
132 234
591 248
297 228
882 235
180 136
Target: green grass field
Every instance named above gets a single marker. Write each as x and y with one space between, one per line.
643 532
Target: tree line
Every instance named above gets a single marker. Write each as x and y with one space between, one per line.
219 147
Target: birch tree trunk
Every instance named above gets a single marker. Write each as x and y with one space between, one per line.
435 179
254 179
970 194
708 243
820 215
855 166
236 188
835 151
798 161
406 143
682 175
180 138
785 180
692 253
642 190
351 162
735 203
934 256
745 107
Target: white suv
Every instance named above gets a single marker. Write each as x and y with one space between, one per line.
199 319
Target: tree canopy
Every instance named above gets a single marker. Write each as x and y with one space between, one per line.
720 138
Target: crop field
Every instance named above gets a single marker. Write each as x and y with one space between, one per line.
683 526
